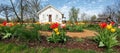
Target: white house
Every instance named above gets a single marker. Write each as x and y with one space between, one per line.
50 14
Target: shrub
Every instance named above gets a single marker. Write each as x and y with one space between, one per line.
92 27
22 32
75 28
27 33
36 26
45 27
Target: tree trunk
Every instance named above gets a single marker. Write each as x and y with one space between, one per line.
6 15
21 11
15 11
33 20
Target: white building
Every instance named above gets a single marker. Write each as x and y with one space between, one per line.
50 14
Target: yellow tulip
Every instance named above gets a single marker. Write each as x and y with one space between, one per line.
109 26
113 30
57 33
56 29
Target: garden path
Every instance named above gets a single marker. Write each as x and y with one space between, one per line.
85 33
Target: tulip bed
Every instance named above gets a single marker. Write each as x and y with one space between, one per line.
106 40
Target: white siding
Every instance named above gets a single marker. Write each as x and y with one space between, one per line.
44 16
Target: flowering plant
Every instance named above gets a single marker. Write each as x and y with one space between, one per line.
6 29
7 24
54 25
107 35
58 35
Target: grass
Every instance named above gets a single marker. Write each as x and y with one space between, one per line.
12 48
79 40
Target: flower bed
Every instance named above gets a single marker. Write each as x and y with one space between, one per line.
29 34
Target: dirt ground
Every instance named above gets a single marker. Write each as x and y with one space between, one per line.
85 33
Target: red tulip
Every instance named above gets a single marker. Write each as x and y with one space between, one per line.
112 23
4 23
103 24
55 25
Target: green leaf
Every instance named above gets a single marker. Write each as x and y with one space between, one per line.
7 35
101 44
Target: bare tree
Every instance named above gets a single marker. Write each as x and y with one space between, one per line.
26 8
34 7
118 10
19 9
83 17
6 11
14 10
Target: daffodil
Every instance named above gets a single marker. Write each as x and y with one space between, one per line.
56 29
113 30
57 33
109 26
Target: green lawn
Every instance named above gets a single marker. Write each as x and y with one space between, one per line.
12 48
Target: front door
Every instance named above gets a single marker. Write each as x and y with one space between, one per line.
50 18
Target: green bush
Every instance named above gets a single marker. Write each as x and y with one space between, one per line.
45 27
36 26
29 34
92 27
75 28
6 32
21 32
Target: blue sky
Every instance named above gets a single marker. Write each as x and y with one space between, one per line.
90 7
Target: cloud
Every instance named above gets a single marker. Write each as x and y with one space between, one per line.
65 10
72 2
90 9
100 0
13 1
93 2
44 0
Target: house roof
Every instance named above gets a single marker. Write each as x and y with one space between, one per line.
45 8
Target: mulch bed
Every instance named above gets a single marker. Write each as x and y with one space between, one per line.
87 44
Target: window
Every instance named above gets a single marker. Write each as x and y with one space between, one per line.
56 17
43 16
